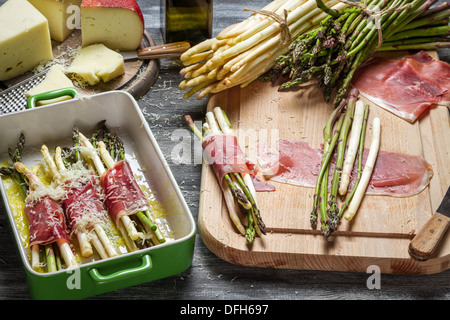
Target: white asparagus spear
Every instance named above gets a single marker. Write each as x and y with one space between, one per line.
269 25
352 149
98 246
85 245
367 171
248 23
112 252
35 257
50 164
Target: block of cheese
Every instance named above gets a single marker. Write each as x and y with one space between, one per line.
118 24
24 38
54 79
96 63
61 22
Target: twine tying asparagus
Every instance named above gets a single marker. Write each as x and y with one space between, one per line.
285 34
376 14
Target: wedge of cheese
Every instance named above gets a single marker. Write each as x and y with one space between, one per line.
118 24
61 18
96 63
54 79
24 38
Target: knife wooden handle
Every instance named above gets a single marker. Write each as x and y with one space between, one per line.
174 49
423 244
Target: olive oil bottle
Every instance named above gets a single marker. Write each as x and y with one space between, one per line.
186 20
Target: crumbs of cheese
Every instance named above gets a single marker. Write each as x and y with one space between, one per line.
88 152
48 188
76 175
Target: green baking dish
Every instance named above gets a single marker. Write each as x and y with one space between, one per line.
52 125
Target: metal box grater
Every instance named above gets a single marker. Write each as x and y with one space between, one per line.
13 99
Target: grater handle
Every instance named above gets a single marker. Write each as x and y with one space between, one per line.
146 266
31 101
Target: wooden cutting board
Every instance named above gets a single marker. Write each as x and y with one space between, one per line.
139 75
383 227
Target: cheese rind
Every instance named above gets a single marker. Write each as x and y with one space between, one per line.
54 79
56 13
97 63
24 38
118 24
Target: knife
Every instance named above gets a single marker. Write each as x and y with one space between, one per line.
174 49
423 244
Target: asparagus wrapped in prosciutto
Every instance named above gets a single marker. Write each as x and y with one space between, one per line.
223 153
47 222
124 199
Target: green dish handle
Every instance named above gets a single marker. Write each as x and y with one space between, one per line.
31 101
123 274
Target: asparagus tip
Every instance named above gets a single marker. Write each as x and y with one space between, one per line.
313 220
326 230
334 221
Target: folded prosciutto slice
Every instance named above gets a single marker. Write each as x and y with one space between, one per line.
405 87
47 222
223 153
83 205
297 163
433 70
123 196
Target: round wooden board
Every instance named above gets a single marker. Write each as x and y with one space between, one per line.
138 78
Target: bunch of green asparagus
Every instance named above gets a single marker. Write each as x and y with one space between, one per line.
344 138
345 39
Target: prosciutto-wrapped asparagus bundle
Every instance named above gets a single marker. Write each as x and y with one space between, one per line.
122 193
223 153
124 199
46 219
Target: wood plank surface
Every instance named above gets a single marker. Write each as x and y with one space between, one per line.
383 225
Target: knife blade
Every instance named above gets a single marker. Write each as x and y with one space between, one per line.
426 240
168 50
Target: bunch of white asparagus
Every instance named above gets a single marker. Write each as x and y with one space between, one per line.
243 52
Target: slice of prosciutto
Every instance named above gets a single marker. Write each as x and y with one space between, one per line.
83 205
223 153
123 196
297 163
436 71
47 223
405 87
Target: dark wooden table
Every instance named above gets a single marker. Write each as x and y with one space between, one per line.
210 277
